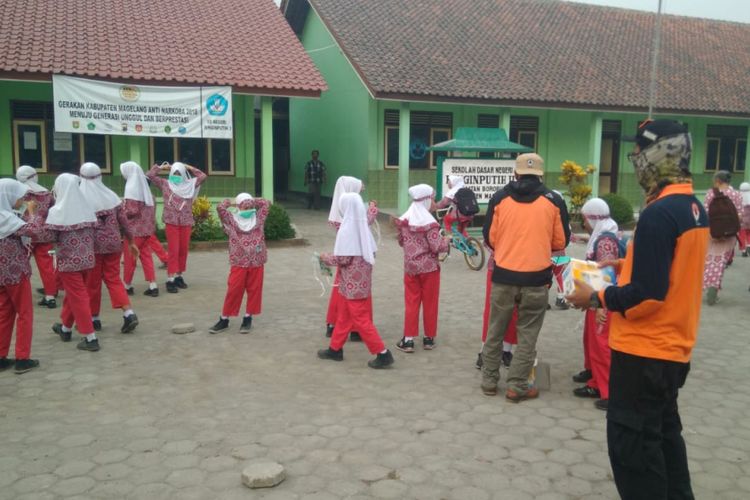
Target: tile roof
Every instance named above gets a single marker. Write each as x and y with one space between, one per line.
541 52
243 43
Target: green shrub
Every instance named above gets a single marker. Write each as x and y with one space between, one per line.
208 229
620 209
278 226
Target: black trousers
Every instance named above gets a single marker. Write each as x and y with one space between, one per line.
644 432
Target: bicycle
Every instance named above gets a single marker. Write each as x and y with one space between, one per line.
472 249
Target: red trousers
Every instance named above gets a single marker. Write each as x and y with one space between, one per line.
597 336
511 334
144 246
178 241
106 269
44 263
744 238
421 289
76 304
157 249
16 307
356 315
335 300
448 220
242 280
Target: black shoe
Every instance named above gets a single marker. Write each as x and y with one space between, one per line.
88 345
64 336
602 404
354 337
6 363
383 360
404 345
130 290
507 358
25 365
561 304
586 392
582 377
331 354
480 361
220 326
329 330
745 253
171 287
428 343
151 292
97 324
129 323
247 323
48 303
180 282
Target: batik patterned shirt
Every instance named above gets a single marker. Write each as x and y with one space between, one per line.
421 247
246 249
44 201
108 232
14 255
355 275
177 211
140 219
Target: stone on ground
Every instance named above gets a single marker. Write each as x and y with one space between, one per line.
263 475
183 328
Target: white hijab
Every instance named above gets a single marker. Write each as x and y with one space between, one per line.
136 185
344 184
70 208
186 189
96 194
745 190
10 192
596 212
354 237
418 214
456 182
245 225
27 175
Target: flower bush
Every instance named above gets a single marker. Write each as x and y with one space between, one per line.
575 178
207 226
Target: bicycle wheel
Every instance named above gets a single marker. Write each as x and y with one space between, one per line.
475 256
443 256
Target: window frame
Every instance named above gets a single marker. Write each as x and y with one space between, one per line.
40 122
535 133
718 154
209 153
449 131
737 142
107 151
385 146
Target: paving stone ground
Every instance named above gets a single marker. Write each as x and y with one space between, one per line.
156 415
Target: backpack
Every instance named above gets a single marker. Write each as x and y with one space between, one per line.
621 244
466 202
723 221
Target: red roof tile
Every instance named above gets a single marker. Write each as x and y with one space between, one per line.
243 43
540 52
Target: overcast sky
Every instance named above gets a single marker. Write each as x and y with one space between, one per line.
728 10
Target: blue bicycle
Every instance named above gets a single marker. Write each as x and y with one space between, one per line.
472 249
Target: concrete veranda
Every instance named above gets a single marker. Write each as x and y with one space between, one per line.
155 415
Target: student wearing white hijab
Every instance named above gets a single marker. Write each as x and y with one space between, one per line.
455 182
744 235
140 218
15 285
108 241
354 255
247 257
41 244
178 191
419 236
344 184
73 222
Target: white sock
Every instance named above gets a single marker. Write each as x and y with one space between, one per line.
90 337
224 317
407 339
128 312
179 275
128 285
507 346
248 315
560 296
67 328
94 318
49 297
152 286
170 279
384 351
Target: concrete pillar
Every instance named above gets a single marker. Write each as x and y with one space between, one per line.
266 139
404 132
505 120
595 151
137 151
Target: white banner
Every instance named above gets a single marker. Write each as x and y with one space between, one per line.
484 177
95 107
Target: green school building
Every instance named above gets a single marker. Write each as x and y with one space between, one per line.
251 50
566 79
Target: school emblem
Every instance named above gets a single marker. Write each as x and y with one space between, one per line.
138 127
76 124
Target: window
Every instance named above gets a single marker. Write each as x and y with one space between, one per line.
524 130
213 156
488 121
427 129
726 147
36 143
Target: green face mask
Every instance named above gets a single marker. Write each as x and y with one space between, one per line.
177 179
246 214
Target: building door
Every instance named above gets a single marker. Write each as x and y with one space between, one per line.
609 162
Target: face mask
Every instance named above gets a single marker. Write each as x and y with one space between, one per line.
175 179
246 214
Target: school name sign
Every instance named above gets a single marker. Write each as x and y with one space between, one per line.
94 107
484 177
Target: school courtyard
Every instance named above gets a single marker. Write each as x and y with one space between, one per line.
156 415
